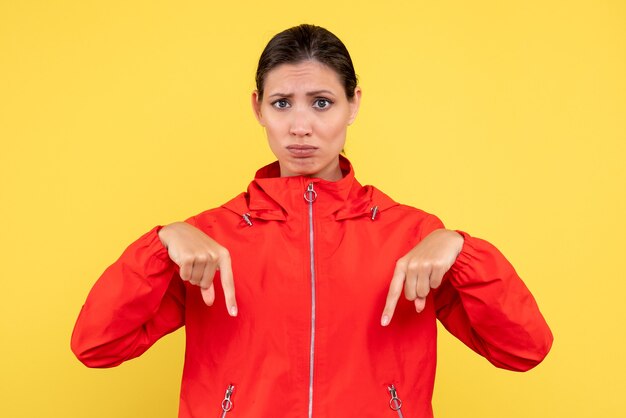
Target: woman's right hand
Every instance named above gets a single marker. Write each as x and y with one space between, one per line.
199 257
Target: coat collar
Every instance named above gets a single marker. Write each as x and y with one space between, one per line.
271 197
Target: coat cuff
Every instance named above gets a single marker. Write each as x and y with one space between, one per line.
475 261
152 244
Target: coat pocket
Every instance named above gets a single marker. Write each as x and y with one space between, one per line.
227 403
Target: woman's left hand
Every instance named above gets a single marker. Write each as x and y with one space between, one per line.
422 269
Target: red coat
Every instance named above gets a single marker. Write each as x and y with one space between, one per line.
311 281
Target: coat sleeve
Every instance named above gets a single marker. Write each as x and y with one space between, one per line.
136 301
483 302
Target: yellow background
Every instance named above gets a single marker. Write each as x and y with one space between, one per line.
505 118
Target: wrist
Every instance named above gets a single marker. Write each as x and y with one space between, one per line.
459 240
163 234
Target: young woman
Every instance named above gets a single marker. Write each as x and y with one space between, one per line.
338 287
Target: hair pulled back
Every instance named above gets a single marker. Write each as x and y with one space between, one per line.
307 42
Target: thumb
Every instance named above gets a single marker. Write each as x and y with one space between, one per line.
208 295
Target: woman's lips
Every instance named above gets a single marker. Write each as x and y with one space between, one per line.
301 150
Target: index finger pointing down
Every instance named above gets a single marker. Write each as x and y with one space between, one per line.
228 284
395 290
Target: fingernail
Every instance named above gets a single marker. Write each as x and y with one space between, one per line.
233 311
385 320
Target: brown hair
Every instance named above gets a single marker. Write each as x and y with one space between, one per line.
307 42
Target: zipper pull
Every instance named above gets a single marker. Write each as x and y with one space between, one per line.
374 211
227 404
246 218
310 195
394 403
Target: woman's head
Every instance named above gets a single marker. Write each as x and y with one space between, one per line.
306 97
307 43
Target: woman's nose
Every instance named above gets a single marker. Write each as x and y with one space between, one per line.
300 124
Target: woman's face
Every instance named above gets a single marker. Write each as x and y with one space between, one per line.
306 113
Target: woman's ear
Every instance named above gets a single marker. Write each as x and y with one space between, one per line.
256 107
354 104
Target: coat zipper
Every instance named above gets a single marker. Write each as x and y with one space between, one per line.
227 403
309 196
395 403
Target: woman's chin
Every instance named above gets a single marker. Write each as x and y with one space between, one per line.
308 167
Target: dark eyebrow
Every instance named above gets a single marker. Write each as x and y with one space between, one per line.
319 92
310 93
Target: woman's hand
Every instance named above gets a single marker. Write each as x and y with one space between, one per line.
422 269
198 257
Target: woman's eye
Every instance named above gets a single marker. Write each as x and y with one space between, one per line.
281 104
322 103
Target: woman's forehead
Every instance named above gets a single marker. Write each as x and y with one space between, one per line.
305 76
